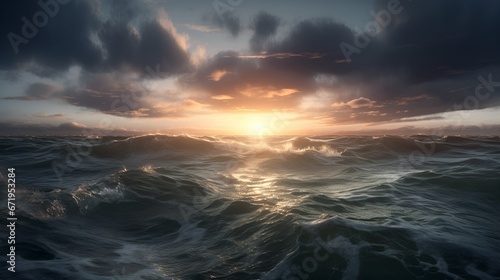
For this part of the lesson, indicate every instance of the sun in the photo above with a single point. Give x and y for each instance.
(257, 128)
(259, 124)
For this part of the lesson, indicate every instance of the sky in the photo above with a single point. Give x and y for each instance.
(241, 67)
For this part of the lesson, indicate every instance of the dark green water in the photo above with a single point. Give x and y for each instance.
(179, 207)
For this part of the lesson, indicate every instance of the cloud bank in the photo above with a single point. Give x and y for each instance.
(412, 58)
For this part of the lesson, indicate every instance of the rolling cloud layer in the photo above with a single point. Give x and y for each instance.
(412, 58)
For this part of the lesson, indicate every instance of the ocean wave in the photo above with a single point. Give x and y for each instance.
(316, 207)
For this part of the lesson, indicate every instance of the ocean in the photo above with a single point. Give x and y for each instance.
(282, 207)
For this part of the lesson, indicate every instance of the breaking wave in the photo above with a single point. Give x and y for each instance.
(319, 207)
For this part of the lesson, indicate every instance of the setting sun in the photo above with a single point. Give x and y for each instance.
(257, 128)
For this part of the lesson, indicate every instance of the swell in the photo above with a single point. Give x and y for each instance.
(151, 144)
(339, 248)
(251, 208)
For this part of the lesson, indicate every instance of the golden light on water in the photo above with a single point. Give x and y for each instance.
(260, 188)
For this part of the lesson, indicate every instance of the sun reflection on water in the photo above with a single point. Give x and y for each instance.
(262, 189)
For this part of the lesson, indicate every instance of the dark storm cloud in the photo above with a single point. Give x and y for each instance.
(122, 42)
(152, 45)
(56, 34)
(47, 37)
(248, 85)
(118, 95)
(45, 116)
(426, 57)
(431, 39)
(227, 20)
(318, 36)
(38, 91)
(425, 40)
(264, 26)
(112, 94)
(127, 10)
(98, 92)
(290, 64)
